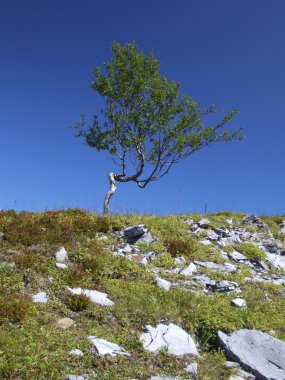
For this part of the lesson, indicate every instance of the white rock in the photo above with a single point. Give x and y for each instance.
(188, 271)
(172, 337)
(180, 261)
(164, 378)
(61, 255)
(76, 352)
(94, 296)
(75, 377)
(277, 261)
(239, 302)
(205, 242)
(61, 265)
(104, 347)
(163, 284)
(40, 297)
(192, 368)
(204, 223)
(127, 248)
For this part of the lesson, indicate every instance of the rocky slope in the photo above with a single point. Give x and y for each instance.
(141, 297)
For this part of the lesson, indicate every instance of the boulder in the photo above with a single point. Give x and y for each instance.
(261, 353)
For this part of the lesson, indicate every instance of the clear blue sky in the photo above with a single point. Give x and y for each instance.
(226, 52)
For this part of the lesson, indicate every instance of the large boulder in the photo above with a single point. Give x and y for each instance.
(263, 354)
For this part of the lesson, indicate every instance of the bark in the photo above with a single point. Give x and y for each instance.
(110, 193)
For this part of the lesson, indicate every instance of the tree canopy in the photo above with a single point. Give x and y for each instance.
(148, 125)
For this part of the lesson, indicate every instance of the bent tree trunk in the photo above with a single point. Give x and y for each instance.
(112, 190)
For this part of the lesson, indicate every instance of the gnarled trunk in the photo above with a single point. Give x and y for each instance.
(110, 193)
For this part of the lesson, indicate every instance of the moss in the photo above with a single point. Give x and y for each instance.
(14, 308)
(78, 302)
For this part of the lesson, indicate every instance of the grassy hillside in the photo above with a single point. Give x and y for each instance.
(34, 346)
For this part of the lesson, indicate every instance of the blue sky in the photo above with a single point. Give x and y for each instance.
(226, 52)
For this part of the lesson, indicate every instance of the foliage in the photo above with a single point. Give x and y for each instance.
(14, 308)
(78, 302)
(147, 120)
(251, 251)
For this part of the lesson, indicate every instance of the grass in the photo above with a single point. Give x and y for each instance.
(32, 346)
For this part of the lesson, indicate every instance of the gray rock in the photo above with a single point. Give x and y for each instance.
(237, 257)
(239, 302)
(261, 353)
(164, 378)
(224, 286)
(227, 267)
(188, 271)
(192, 368)
(146, 238)
(134, 231)
(40, 297)
(255, 221)
(242, 375)
(163, 284)
(204, 223)
(75, 377)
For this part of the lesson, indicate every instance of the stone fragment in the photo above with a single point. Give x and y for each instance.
(180, 261)
(172, 337)
(94, 296)
(239, 302)
(40, 297)
(127, 248)
(75, 377)
(261, 353)
(163, 284)
(164, 378)
(61, 255)
(104, 347)
(276, 261)
(76, 352)
(237, 257)
(192, 368)
(61, 265)
(188, 271)
(145, 238)
(227, 267)
(65, 323)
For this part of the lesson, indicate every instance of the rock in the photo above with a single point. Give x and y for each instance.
(127, 248)
(227, 267)
(146, 238)
(224, 286)
(204, 223)
(165, 378)
(188, 271)
(189, 221)
(261, 353)
(40, 297)
(276, 261)
(272, 246)
(94, 296)
(239, 302)
(237, 257)
(103, 347)
(139, 259)
(212, 235)
(163, 284)
(65, 323)
(179, 261)
(205, 242)
(172, 337)
(192, 368)
(61, 255)
(61, 265)
(75, 377)
(76, 352)
(255, 221)
(242, 375)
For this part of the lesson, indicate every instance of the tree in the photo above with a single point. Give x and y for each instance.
(149, 126)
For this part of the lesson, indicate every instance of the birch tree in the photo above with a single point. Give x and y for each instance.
(147, 125)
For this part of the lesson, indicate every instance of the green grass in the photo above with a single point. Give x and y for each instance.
(33, 347)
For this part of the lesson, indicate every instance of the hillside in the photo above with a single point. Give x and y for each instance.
(84, 296)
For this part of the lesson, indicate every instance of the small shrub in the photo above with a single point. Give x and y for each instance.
(179, 247)
(251, 251)
(228, 249)
(78, 302)
(14, 308)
